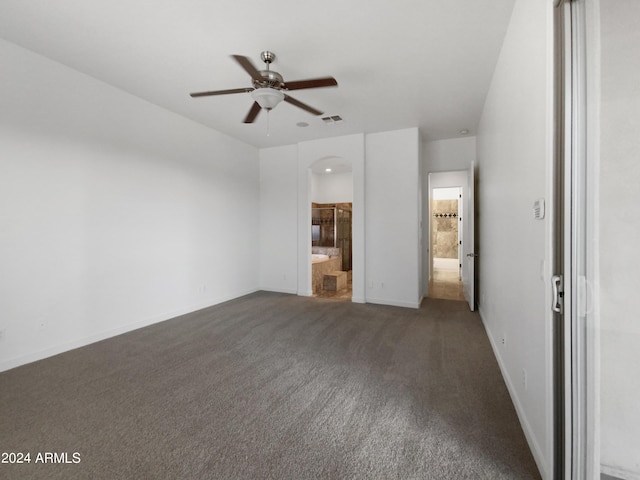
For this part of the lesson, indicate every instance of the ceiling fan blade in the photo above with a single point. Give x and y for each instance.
(301, 105)
(253, 113)
(311, 83)
(245, 63)
(221, 92)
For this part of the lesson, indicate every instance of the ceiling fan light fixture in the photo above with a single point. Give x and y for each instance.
(267, 86)
(267, 97)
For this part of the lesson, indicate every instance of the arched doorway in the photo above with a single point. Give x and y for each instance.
(331, 227)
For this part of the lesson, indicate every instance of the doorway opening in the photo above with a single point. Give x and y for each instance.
(331, 250)
(446, 239)
(332, 228)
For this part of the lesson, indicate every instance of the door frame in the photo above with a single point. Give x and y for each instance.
(469, 256)
(447, 179)
(575, 399)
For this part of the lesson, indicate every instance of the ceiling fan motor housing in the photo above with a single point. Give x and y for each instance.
(270, 79)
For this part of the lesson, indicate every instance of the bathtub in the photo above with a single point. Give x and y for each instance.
(322, 263)
(319, 257)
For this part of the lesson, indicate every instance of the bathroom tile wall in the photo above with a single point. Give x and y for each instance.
(444, 224)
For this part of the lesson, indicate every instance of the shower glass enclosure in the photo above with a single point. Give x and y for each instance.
(331, 227)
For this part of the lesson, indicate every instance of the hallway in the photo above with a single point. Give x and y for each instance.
(445, 283)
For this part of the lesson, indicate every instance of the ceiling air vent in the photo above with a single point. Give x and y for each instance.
(332, 119)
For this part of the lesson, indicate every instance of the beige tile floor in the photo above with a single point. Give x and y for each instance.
(446, 284)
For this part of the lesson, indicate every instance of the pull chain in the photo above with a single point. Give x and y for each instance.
(268, 121)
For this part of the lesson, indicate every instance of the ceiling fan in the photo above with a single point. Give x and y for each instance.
(269, 86)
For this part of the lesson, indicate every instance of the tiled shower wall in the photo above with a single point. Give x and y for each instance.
(444, 224)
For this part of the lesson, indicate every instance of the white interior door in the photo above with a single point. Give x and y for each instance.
(468, 242)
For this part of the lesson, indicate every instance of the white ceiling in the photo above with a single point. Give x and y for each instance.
(401, 64)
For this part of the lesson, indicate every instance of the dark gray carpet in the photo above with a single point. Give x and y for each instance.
(273, 386)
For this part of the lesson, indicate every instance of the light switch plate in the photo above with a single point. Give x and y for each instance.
(538, 209)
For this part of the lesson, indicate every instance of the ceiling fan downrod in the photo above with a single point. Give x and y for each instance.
(267, 57)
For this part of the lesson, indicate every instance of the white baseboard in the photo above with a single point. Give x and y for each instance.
(291, 291)
(14, 362)
(620, 473)
(537, 452)
(393, 303)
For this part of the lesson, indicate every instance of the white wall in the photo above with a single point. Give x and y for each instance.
(386, 213)
(115, 213)
(447, 193)
(449, 154)
(393, 261)
(618, 231)
(332, 188)
(513, 162)
(278, 219)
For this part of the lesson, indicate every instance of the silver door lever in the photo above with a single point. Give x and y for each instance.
(558, 293)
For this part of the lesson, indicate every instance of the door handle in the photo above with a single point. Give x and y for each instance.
(472, 254)
(558, 293)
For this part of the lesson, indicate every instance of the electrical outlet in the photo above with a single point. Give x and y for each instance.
(504, 340)
(524, 379)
